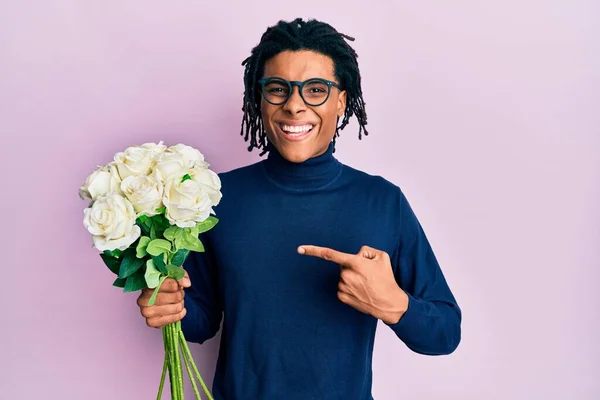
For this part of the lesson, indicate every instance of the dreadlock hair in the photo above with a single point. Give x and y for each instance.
(299, 35)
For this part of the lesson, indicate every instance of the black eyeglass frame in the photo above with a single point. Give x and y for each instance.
(291, 84)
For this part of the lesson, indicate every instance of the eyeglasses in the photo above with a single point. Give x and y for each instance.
(314, 92)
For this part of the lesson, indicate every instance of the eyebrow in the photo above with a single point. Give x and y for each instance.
(295, 80)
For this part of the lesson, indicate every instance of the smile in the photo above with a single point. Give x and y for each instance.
(295, 132)
(297, 129)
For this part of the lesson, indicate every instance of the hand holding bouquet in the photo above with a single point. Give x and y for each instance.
(147, 208)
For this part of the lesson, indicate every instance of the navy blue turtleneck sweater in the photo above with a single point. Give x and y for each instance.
(285, 334)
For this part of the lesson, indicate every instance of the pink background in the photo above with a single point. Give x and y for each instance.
(487, 115)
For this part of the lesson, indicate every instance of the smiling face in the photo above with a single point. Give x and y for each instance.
(299, 131)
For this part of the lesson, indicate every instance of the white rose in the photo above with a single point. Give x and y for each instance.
(168, 164)
(187, 202)
(154, 148)
(190, 155)
(210, 181)
(112, 167)
(134, 161)
(111, 221)
(144, 192)
(100, 183)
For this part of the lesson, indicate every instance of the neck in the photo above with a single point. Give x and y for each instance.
(314, 173)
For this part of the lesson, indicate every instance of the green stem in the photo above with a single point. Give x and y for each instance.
(188, 354)
(165, 367)
(169, 351)
(177, 360)
(176, 389)
(189, 369)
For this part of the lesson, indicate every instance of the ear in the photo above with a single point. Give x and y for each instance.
(341, 106)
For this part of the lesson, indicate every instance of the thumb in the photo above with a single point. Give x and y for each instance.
(370, 253)
(185, 281)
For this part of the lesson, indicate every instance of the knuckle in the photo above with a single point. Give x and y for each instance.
(166, 298)
(160, 298)
(143, 298)
(149, 312)
(345, 274)
(168, 286)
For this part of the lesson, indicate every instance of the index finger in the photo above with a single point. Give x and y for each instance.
(328, 254)
(170, 285)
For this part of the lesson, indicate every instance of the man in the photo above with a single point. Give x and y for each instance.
(309, 253)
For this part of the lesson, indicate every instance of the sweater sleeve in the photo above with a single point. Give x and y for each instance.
(202, 302)
(432, 323)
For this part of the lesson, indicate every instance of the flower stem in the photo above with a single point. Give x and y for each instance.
(188, 355)
(165, 367)
(174, 343)
(190, 375)
(177, 383)
(168, 351)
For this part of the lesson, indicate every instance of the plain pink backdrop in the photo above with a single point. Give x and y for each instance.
(485, 113)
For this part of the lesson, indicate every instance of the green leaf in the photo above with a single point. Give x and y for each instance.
(152, 231)
(175, 272)
(204, 226)
(129, 265)
(179, 243)
(186, 177)
(111, 262)
(172, 232)
(189, 242)
(144, 226)
(159, 263)
(119, 283)
(135, 282)
(179, 257)
(152, 275)
(114, 253)
(160, 219)
(143, 218)
(193, 243)
(158, 246)
(161, 210)
(141, 247)
(160, 223)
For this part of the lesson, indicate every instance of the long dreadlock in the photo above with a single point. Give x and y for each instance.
(299, 35)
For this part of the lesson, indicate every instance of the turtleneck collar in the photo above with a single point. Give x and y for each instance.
(314, 173)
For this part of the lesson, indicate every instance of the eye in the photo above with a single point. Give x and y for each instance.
(277, 89)
(315, 89)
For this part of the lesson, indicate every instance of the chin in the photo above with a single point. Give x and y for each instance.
(296, 153)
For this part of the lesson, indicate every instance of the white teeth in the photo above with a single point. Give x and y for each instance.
(296, 129)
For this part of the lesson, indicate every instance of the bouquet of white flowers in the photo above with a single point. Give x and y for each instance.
(147, 208)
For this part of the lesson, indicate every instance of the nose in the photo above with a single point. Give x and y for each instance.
(295, 104)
